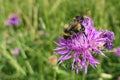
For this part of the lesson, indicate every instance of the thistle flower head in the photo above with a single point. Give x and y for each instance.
(109, 36)
(13, 20)
(117, 51)
(16, 51)
(81, 48)
(41, 32)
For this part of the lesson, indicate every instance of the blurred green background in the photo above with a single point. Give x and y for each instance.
(50, 16)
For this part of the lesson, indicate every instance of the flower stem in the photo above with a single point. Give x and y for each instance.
(73, 75)
(29, 67)
(12, 61)
(55, 75)
(83, 76)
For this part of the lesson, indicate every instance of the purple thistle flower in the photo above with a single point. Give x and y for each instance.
(16, 51)
(117, 51)
(81, 48)
(109, 38)
(13, 20)
(41, 32)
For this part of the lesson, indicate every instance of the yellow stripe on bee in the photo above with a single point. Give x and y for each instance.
(78, 27)
(66, 34)
(74, 18)
(85, 16)
(66, 25)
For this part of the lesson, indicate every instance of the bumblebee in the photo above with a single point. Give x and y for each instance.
(74, 27)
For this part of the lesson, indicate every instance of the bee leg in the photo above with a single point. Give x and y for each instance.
(66, 37)
(72, 32)
(83, 30)
(84, 34)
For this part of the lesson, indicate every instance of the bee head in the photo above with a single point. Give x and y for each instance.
(80, 18)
